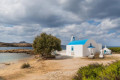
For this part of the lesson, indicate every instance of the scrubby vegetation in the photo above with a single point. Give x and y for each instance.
(25, 65)
(28, 51)
(99, 72)
(15, 44)
(45, 44)
(115, 49)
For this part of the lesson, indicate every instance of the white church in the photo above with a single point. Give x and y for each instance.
(82, 48)
(105, 50)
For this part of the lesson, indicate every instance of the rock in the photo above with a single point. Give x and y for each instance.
(7, 63)
(101, 56)
(58, 57)
(91, 56)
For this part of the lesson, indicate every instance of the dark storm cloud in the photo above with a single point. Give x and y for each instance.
(53, 13)
(89, 9)
(45, 13)
(24, 19)
(105, 9)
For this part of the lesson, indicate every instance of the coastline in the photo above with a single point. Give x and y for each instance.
(55, 69)
(11, 68)
(8, 63)
(2, 44)
(28, 51)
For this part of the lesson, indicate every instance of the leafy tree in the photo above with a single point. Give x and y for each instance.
(45, 44)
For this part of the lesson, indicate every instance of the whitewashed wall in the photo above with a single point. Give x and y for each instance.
(68, 50)
(78, 50)
(100, 46)
(97, 48)
(108, 50)
(82, 50)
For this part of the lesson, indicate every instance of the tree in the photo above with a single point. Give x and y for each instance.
(45, 44)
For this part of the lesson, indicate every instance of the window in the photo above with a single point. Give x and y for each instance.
(72, 48)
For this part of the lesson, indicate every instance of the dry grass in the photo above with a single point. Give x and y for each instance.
(104, 59)
(61, 69)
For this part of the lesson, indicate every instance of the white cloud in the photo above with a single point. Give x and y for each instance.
(84, 30)
(109, 24)
(19, 33)
(24, 19)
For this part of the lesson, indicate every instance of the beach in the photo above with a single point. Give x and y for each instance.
(62, 68)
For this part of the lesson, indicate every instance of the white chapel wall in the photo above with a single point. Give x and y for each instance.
(77, 52)
(85, 49)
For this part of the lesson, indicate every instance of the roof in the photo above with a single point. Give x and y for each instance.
(78, 42)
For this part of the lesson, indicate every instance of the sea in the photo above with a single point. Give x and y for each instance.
(10, 57)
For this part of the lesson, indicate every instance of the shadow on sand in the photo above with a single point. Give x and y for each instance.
(61, 57)
(1, 78)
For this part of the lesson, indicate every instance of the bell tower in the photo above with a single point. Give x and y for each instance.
(72, 38)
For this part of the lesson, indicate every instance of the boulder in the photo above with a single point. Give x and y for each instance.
(91, 56)
(101, 56)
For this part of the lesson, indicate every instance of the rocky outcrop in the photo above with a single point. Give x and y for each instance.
(15, 44)
(18, 51)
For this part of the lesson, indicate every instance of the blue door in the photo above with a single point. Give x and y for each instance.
(72, 48)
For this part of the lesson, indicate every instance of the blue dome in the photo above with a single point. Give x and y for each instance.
(78, 42)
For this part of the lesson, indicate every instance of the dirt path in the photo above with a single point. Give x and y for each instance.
(60, 69)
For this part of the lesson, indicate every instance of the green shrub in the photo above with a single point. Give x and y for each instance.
(45, 44)
(115, 49)
(25, 65)
(90, 72)
(99, 72)
(111, 72)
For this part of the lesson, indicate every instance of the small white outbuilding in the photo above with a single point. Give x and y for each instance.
(82, 48)
(106, 50)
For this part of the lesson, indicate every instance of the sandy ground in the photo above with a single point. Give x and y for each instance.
(62, 68)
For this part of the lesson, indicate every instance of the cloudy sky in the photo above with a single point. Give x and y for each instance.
(22, 20)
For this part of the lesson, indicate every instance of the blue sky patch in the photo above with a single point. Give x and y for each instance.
(93, 22)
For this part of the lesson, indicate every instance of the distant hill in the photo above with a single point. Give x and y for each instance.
(63, 47)
(2, 44)
(22, 42)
